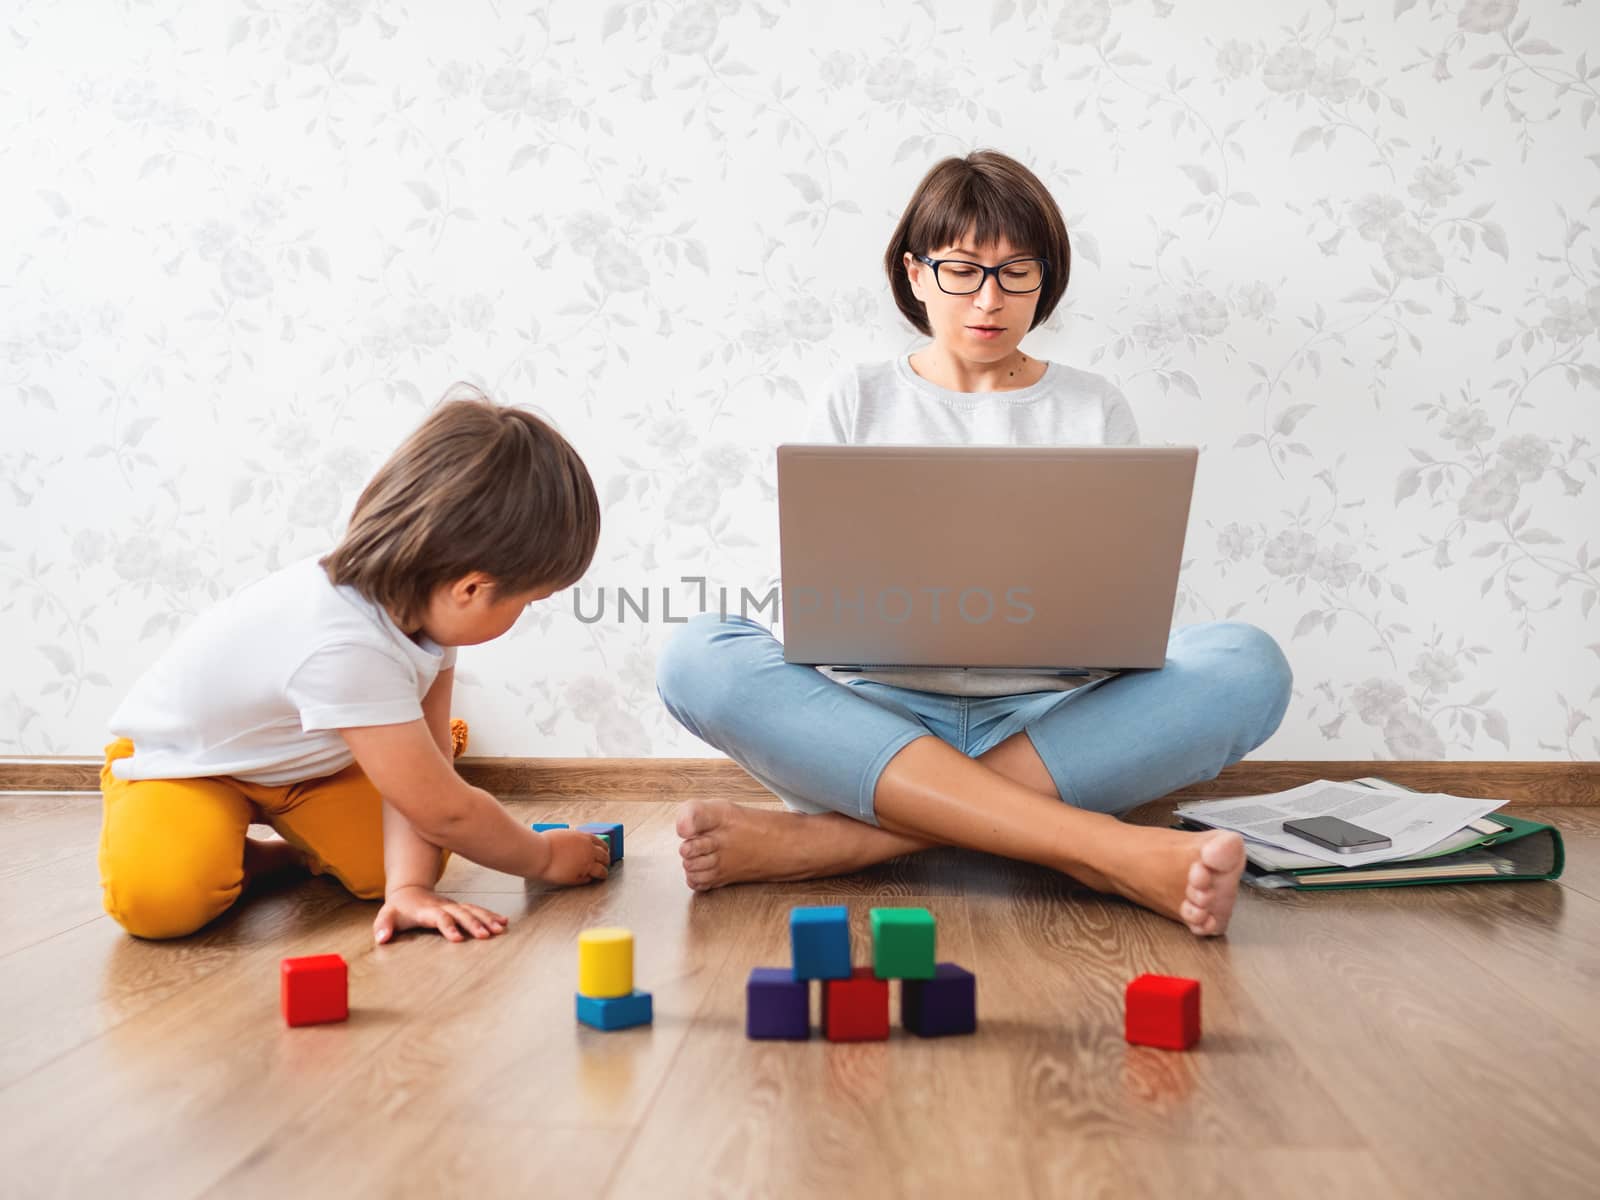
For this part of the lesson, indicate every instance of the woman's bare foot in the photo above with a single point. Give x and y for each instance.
(1192, 878)
(728, 843)
(268, 860)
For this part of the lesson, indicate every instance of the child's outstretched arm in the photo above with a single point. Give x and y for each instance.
(412, 866)
(408, 860)
(410, 772)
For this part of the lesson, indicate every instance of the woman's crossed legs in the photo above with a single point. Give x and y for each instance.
(872, 780)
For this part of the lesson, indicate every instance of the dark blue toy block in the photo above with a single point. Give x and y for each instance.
(611, 830)
(944, 1005)
(820, 937)
(777, 1005)
(546, 826)
(618, 1012)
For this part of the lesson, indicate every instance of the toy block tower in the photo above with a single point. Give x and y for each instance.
(606, 996)
(936, 999)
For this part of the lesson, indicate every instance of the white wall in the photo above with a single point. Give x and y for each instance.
(1343, 247)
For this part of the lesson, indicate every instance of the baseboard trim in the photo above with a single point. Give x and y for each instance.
(673, 779)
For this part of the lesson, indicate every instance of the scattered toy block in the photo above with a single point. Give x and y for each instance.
(616, 1012)
(547, 826)
(605, 963)
(903, 941)
(611, 831)
(1164, 1011)
(315, 989)
(856, 1009)
(777, 1005)
(819, 937)
(942, 1006)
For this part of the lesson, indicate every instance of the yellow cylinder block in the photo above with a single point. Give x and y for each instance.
(605, 963)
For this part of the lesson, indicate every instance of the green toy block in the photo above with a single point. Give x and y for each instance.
(903, 943)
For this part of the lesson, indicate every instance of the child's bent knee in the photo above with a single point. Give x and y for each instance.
(365, 889)
(363, 880)
(160, 909)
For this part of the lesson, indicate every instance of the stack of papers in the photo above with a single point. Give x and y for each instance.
(1418, 824)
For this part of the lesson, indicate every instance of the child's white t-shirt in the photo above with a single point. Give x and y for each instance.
(259, 687)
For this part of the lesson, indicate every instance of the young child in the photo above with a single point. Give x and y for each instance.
(317, 700)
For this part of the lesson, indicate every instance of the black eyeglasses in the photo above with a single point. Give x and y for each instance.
(957, 277)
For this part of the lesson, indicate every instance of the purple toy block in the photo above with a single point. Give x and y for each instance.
(944, 1005)
(777, 1005)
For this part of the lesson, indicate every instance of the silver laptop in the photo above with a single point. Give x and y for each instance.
(1044, 558)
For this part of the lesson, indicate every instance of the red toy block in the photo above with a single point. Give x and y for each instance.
(1164, 1011)
(856, 1009)
(315, 989)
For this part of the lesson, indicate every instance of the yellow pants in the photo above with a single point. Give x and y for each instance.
(172, 850)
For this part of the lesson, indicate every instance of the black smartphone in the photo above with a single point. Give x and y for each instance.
(1336, 834)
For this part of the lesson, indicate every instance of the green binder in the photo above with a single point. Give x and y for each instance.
(1519, 850)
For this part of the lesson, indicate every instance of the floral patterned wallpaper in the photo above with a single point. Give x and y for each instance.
(1345, 247)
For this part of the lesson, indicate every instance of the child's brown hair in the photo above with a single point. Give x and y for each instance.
(995, 196)
(478, 487)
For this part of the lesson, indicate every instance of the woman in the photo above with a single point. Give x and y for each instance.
(874, 766)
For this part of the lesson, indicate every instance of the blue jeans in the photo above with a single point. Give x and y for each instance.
(1114, 744)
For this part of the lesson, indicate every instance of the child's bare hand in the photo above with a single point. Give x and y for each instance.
(575, 857)
(422, 908)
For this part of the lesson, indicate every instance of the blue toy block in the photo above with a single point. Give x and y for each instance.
(777, 1005)
(611, 831)
(546, 826)
(820, 937)
(619, 1012)
(944, 1005)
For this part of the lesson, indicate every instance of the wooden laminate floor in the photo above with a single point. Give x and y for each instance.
(1412, 1042)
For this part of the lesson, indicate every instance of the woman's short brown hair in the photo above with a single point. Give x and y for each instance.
(478, 487)
(995, 196)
